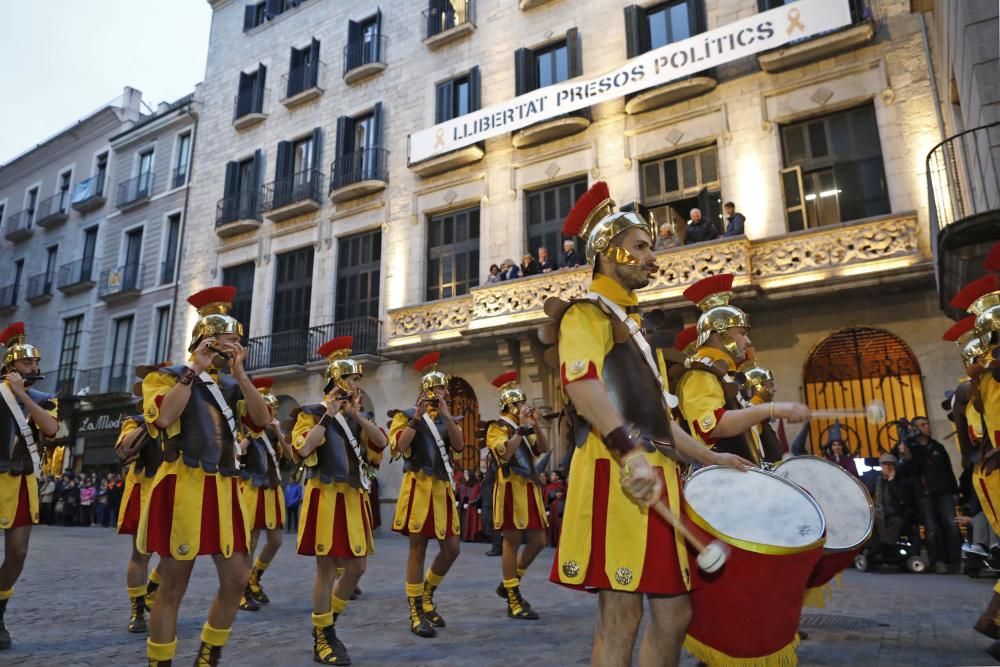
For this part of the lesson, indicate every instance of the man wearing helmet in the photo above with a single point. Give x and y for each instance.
(619, 406)
(759, 385)
(194, 506)
(514, 440)
(333, 438)
(26, 416)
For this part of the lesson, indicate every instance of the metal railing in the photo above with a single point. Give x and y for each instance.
(371, 164)
(446, 17)
(250, 102)
(135, 189)
(303, 78)
(121, 280)
(76, 273)
(8, 297)
(365, 331)
(179, 176)
(298, 347)
(117, 379)
(40, 285)
(88, 194)
(18, 225)
(292, 189)
(53, 207)
(963, 176)
(359, 53)
(241, 206)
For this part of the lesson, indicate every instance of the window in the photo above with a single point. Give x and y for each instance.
(250, 94)
(675, 184)
(296, 172)
(101, 173)
(859, 11)
(241, 193)
(51, 253)
(359, 259)
(133, 247)
(18, 275)
(144, 182)
(64, 188)
(183, 159)
(364, 42)
(444, 15)
(120, 371)
(452, 254)
(547, 209)
(241, 277)
(69, 355)
(360, 155)
(173, 232)
(292, 298)
(833, 169)
(161, 351)
(303, 70)
(457, 97)
(254, 15)
(648, 28)
(31, 204)
(89, 249)
(3, 208)
(552, 63)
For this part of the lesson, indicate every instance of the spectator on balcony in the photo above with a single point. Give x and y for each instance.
(509, 270)
(570, 257)
(546, 261)
(495, 275)
(700, 229)
(734, 220)
(530, 265)
(667, 238)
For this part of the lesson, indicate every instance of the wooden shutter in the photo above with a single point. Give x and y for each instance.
(317, 148)
(796, 214)
(696, 16)
(524, 71)
(353, 55)
(443, 101)
(249, 17)
(378, 35)
(253, 197)
(229, 202)
(475, 85)
(258, 91)
(312, 76)
(634, 18)
(273, 8)
(574, 52)
(344, 147)
(283, 164)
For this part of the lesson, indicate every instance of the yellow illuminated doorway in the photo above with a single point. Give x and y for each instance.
(465, 405)
(853, 367)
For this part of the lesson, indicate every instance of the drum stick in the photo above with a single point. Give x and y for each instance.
(711, 557)
(873, 412)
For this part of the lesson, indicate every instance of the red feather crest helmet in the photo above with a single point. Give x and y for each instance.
(594, 219)
(430, 376)
(13, 339)
(337, 352)
(510, 392)
(213, 305)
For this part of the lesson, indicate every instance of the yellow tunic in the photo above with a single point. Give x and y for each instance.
(10, 486)
(133, 478)
(520, 487)
(420, 494)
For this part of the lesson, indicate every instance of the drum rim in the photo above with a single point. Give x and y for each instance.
(859, 483)
(757, 547)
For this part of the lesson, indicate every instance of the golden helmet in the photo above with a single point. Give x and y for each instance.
(712, 295)
(595, 220)
(430, 376)
(337, 352)
(213, 306)
(970, 343)
(12, 338)
(264, 387)
(982, 298)
(510, 392)
(756, 375)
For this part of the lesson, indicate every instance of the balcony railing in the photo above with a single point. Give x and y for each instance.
(241, 206)
(88, 194)
(441, 19)
(290, 191)
(371, 164)
(40, 287)
(364, 55)
(76, 276)
(298, 347)
(179, 176)
(53, 210)
(18, 226)
(8, 297)
(303, 83)
(134, 190)
(116, 379)
(248, 107)
(120, 282)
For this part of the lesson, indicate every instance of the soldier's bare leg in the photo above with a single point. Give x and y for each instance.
(618, 618)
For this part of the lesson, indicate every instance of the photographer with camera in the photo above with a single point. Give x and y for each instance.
(934, 485)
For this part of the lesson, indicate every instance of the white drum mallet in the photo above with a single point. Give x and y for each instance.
(873, 412)
(711, 557)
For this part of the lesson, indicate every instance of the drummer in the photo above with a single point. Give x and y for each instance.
(759, 385)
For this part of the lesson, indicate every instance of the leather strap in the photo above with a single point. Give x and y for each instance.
(270, 451)
(22, 425)
(220, 402)
(362, 466)
(442, 450)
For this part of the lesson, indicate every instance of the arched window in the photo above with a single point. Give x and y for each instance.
(853, 367)
(464, 405)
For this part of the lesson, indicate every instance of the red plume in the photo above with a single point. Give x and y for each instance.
(685, 337)
(263, 383)
(992, 262)
(708, 286)
(504, 378)
(968, 294)
(958, 328)
(587, 202)
(334, 344)
(222, 294)
(428, 359)
(16, 329)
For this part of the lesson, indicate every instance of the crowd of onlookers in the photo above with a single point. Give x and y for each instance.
(532, 266)
(80, 499)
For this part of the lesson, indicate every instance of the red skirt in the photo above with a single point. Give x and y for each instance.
(131, 512)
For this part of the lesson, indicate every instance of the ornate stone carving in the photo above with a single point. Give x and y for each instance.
(527, 294)
(430, 317)
(682, 267)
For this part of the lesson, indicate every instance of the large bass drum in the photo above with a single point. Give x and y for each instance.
(750, 609)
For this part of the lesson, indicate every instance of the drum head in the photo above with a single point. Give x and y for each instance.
(754, 510)
(847, 507)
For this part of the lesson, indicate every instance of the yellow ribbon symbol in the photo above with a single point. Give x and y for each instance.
(794, 22)
(439, 139)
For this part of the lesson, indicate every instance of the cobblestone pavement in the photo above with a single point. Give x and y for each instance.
(71, 609)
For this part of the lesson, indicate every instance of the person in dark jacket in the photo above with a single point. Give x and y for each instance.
(935, 488)
(734, 221)
(546, 262)
(509, 270)
(570, 257)
(892, 504)
(700, 229)
(486, 494)
(530, 266)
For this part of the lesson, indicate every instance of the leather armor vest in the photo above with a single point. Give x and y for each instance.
(205, 439)
(770, 443)
(14, 456)
(336, 461)
(424, 454)
(521, 463)
(258, 466)
(150, 456)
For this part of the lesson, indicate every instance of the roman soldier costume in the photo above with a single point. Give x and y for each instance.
(336, 517)
(21, 441)
(517, 494)
(759, 387)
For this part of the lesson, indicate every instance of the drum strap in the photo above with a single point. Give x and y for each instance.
(22, 426)
(442, 450)
(356, 448)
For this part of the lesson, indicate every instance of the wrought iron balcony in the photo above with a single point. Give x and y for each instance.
(135, 191)
(294, 195)
(88, 195)
(19, 226)
(366, 332)
(817, 47)
(963, 186)
(121, 282)
(364, 58)
(76, 277)
(8, 298)
(359, 173)
(238, 213)
(116, 379)
(303, 84)
(248, 108)
(877, 250)
(53, 211)
(40, 288)
(446, 22)
(298, 347)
